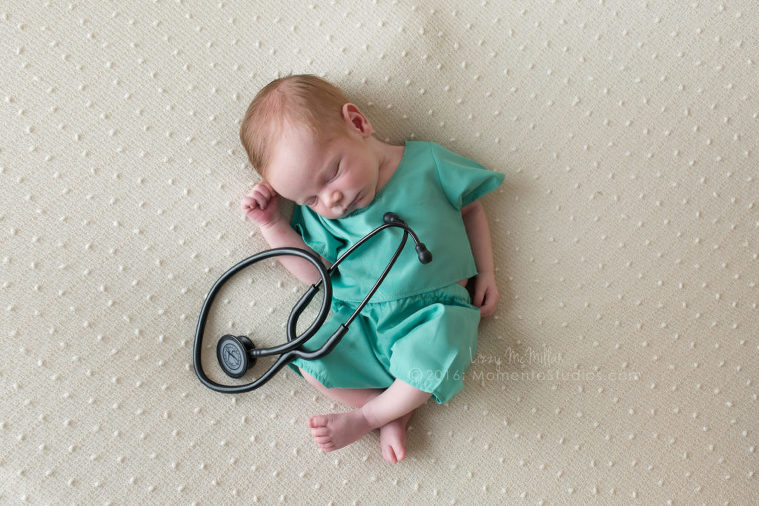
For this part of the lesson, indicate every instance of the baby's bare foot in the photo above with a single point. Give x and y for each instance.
(332, 432)
(393, 439)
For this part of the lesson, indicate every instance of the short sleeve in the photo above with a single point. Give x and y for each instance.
(463, 180)
(314, 233)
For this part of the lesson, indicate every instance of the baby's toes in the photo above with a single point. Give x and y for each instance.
(388, 454)
(327, 447)
(320, 431)
(398, 452)
(317, 421)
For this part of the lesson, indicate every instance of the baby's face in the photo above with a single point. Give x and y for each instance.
(332, 178)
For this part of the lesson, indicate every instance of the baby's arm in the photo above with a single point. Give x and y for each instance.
(485, 289)
(262, 206)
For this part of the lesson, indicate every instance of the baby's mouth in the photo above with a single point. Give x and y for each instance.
(352, 206)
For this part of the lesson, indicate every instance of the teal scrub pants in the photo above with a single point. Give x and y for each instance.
(427, 340)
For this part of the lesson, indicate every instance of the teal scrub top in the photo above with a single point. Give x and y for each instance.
(428, 190)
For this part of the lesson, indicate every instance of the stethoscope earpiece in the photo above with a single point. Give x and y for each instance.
(422, 252)
(392, 219)
(232, 353)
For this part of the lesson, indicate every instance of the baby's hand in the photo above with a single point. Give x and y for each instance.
(485, 293)
(262, 205)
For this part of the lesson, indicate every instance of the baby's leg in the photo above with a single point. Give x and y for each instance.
(341, 429)
(353, 397)
(392, 435)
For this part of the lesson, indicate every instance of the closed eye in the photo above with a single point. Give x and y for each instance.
(336, 173)
(312, 201)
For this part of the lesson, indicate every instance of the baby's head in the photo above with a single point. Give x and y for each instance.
(313, 146)
(303, 100)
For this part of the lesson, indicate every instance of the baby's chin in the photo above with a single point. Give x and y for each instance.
(334, 216)
(340, 216)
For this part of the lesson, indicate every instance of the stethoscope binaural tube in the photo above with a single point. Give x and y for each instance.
(237, 353)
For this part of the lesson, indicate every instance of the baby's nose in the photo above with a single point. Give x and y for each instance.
(334, 198)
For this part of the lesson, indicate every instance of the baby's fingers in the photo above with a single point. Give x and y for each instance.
(248, 203)
(487, 309)
(479, 295)
(489, 303)
(484, 299)
(261, 204)
(265, 189)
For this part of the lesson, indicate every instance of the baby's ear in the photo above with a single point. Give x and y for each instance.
(356, 120)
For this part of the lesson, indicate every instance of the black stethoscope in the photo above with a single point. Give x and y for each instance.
(236, 354)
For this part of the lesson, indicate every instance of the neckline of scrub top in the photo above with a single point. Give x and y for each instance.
(381, 191)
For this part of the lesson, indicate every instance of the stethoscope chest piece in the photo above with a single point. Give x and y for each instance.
(232, 353)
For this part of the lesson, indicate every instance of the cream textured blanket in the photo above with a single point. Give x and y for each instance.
(622, 365)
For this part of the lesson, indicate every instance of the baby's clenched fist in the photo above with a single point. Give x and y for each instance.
(261, 205)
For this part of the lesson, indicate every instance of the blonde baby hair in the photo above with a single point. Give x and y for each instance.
(304, 100)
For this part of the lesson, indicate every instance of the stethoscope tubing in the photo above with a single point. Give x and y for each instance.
(291, 349)
(283, 349)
